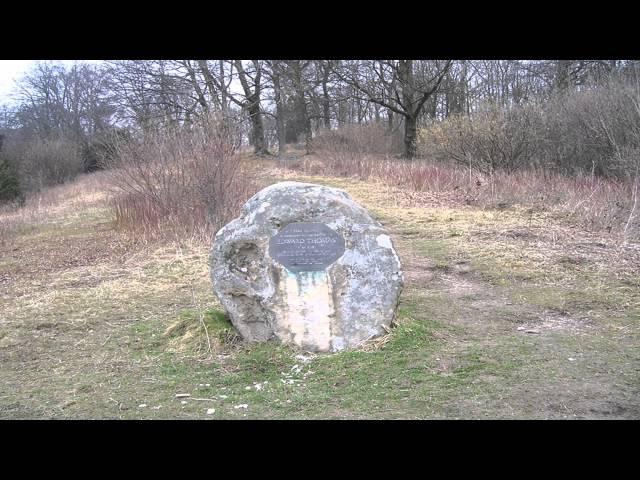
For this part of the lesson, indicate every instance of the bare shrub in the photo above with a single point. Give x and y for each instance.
(595, 202)
(595, 131)
(493, 139)
(44, 162)
(355, 149)
(608, 129)
(179, 182)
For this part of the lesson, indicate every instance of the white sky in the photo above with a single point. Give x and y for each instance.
(12, 70)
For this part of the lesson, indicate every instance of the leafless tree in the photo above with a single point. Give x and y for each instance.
(276, 71)
(396, 86)
(251, 81)
(146, 93)
(55, 101)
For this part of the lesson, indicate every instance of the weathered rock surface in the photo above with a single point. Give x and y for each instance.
(337, 307)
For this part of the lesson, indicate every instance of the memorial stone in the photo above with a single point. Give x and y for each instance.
(306, 265)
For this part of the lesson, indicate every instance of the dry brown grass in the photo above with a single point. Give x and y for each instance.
(55, 204)
(535, 247)
(593, 203)
(84, 311)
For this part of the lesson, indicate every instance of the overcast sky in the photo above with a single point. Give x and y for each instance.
(11, 70)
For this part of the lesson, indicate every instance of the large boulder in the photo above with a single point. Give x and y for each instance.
(307, 265)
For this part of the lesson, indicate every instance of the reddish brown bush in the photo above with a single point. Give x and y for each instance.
(180, 183)
(356, 149)
(596, 203)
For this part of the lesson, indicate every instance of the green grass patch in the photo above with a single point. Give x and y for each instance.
(435, 249)
(200, 331)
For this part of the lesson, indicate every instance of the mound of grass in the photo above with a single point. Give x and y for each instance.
(198, 331)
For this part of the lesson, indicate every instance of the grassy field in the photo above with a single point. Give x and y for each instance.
(507, 313)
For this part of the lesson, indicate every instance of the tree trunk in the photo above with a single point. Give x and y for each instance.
(562, 75)
(306, 122)
(433, 106)
(223, 91)
(462, 101)
(410, 137)
(326, 102)
(405, 75)
(257, 129)
(252, 106)
(280, 129)
(301, 106)
(341, 114)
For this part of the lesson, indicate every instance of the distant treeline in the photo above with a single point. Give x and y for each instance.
(566, 115)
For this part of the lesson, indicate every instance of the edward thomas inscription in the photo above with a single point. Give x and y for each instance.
(306, 246)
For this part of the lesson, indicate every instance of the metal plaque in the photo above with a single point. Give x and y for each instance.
(304, 247)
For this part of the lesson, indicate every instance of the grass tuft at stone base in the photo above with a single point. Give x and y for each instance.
(197, 331)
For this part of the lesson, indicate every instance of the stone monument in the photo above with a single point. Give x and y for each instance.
(307, 265)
